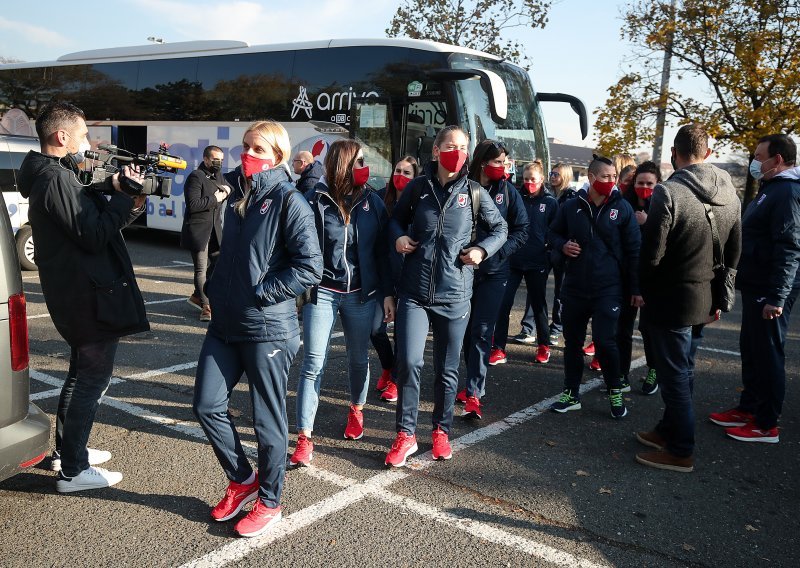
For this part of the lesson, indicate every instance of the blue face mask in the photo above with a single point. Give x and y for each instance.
(755, 170)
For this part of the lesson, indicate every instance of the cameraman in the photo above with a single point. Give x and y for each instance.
(87, 279)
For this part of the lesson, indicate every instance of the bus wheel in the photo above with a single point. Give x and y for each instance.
(25, 248)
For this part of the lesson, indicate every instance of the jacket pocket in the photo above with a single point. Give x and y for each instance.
(116, 305)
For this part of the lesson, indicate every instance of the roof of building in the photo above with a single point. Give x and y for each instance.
(575, 156)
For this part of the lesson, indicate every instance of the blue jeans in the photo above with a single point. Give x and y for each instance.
(219, 370)
(90, 368)
(449, 323)
(318, 322)
(674, 351)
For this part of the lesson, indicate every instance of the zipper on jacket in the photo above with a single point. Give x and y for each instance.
(439, 228)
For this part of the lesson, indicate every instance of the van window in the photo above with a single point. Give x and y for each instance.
(9, 165)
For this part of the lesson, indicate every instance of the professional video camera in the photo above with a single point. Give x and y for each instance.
(153, 163)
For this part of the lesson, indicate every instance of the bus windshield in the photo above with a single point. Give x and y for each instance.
(522, 133)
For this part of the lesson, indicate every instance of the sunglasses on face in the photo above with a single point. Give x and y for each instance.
(555, 174)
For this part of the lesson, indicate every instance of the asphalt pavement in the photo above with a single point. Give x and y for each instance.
(525, 486)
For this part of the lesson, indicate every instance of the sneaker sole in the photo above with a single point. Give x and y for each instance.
(727, 424)
(194, 305)
(442, 458)
(410, 451)
(623, 415)
(565, 410)
(276, 519)
(295, 465)
(765, 440)
(474, 415)
(648, 443)
(525, 342)
(68, 487)
(346, 437)
(654, 391)
(205, 320)
(678, 468)
(249, 499)
(498, 362)
(625, 389)
(55, 465)
(542, 362)
(383, 398)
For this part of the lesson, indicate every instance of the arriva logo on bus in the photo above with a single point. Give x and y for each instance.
(330, 102)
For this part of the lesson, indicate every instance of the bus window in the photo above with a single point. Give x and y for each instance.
(371, 127)
(424, 119)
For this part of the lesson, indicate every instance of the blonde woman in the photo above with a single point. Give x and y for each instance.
(560, 178)
(269, 255)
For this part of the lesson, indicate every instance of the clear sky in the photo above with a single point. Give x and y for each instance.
(579, 52)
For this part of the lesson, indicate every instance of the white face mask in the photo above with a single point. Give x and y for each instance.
(82, 149)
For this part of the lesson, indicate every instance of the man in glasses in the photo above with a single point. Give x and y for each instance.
(309, 170)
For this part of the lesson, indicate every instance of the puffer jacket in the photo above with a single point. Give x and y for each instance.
(509, 204)
(441, 222)
(541, 209)
(84, 267)
(771, 239)
(609, 239)
(368, 259)
(264, 264)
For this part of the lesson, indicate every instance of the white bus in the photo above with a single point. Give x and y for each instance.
(392, 95)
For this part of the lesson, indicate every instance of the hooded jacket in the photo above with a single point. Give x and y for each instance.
(509, 203)
(541, 209)
(609, 239)
(677, 256)
(365, 265)
(86, 273)
(441, 222)
(310, 177)
(202, 215)
(771, 239)
(264, 264)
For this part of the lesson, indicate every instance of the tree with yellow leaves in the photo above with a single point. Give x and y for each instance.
(748, 54)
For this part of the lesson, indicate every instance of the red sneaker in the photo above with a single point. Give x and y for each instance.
(355, 424)
(237, 495)
(390, 393)
(258, 520)
(543, 354)
(731, 418)
(441, 444)
(752, 433)
(404, 445)
(595, 364)
(589, 349)
(461, 397)
(497, 356)
(303, 452)
(383, 382)
(472, 409)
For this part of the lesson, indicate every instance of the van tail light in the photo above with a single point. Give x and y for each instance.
(18, 327)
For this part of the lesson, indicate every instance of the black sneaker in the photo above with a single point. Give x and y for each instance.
(566, 402)
(650, 384)
(618, 409)
(624, 384)
(525, 338)
(555, 337)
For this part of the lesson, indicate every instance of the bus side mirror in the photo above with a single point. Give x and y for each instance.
(574, 102)
(491, 83)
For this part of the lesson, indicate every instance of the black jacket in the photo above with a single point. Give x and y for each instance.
(677, 255)
(509, 202)
(441, 222)
(771, 240)
(609, 239)
(542, 209)
(309, 177)
(202, 216)
(86, 273)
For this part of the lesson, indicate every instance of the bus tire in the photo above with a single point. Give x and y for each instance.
(24, 240)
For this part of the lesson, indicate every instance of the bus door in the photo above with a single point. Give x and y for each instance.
(372, 125)
(422, 120)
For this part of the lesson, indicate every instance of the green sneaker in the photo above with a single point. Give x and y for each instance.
(618, 409)
(624, 384)
(568, 401)
(650, 384)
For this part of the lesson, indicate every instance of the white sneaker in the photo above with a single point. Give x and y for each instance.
(96, 457)
(91, 478)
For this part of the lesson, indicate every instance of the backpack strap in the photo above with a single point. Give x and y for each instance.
(475, 195)
(719, 258)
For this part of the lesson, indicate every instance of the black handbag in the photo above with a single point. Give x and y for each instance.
(723, 286)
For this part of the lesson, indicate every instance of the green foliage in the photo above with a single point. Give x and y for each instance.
(476, 24)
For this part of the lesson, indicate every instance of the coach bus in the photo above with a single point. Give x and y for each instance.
(392, 95)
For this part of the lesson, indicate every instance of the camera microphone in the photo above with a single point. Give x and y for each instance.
(110, 148)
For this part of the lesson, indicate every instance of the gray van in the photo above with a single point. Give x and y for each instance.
(13, 150)
(24, 428)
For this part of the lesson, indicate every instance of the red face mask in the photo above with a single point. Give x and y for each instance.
(623, 187)
(453, 160)
(643, 192)
(400, 182)
(603, 187)
(360, 176)
(494, 173)
(252, 165)
(531, 187)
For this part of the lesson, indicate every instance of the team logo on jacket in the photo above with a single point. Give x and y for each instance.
(613, 215)
(365, 207)
(265, 206)
(542, 208)
(498, 198)
(760, 199)
(462, 199)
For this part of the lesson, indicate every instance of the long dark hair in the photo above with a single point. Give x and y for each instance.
(485, 151)
(339, 162)
(390, 198)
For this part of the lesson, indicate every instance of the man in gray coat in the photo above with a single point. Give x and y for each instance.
(676, 269)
